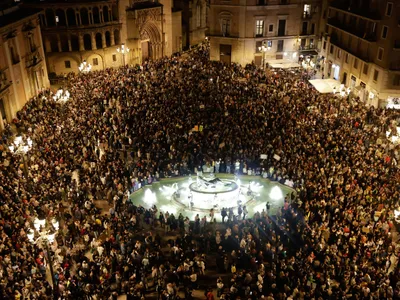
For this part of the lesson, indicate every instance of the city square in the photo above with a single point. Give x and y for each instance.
(196, 173)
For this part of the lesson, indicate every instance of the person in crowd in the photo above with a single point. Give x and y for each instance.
(128, 127)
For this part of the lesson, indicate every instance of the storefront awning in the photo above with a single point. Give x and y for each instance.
(325, 86)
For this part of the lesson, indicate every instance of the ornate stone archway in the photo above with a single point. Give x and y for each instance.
(151, 43)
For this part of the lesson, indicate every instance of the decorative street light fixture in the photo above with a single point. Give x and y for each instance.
(85, 67)
(264, 49)
(43, 236)
(61, 95)
(21, 146)
(123, 50)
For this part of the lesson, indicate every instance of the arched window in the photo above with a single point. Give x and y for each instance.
(105, 14)
(198, 15)
(50, 18)
(64, 43)
(53, 43)
(74, 43)
(99, 41)
(108, 39)
(87, 42)
(115, 12)
(71, 17)
(96, 15)
(116, 37)
(60, 16)
(84, 16)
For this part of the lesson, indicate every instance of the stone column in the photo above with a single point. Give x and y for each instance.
(112, 37)
(59, 43)
(81, 43)
(101, 15)
(91, 21)
(93, 41)
(80, 19)
(103, 39)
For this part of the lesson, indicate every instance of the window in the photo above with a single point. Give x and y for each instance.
(67, 64)
(346, 58)
(114, 57)
(312, 28)
(307, 9)
(396, 79)
(271, 27)
(14, 54)
(324, 45)
(280, 46)
(259, 28)
(258, 46)
(225, 26)
(95, 62)
(339, 53)
(269, 44)
(331, 50)
(389, 7)
(384, 32)
(198, 15)
(311, 43)
(365, 70)
(396, 44)
(376, 75)
(355, 63)
(380, 53)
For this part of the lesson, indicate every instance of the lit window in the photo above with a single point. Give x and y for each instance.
(225, 26)
(259, 28)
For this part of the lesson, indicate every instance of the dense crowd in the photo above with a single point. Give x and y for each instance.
(124, 128)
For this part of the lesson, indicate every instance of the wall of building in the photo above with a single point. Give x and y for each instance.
(253, 25)
(22, 63)
(176, 31)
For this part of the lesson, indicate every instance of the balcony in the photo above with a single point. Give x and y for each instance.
(359, 54)
(308, 48)
(32, 59)
(351, 29)
(306, 15)
(364, 12)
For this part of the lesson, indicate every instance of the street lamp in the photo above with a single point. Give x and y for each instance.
(21, 146)
(85, 67)
(123, 50)
(43, 236)
(264, 49)
(61, 95)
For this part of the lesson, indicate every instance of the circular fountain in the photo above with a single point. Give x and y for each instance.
(210, 192)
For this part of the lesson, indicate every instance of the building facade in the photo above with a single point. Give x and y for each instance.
(361, 47)
(263, 31)
(95, 30)
(23, 71)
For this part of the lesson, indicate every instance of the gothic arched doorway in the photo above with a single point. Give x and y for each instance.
(151, 43)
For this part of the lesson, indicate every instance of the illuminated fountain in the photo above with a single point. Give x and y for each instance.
(209, 192)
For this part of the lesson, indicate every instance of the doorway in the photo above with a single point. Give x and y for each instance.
(336, 72)
(225, 52)
(146, 50)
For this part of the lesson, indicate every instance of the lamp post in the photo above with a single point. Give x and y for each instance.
(123, 50)
(21, 146)
(40, 235)
(85, 67)
(61, 95)
(263, 49)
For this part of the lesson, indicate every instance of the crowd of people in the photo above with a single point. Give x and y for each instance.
(124, 128)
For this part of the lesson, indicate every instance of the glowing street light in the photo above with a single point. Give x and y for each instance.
(61, 95)
(264, 49)
(123, 50)
(21, 147)
(85, 67)
(45, 235)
